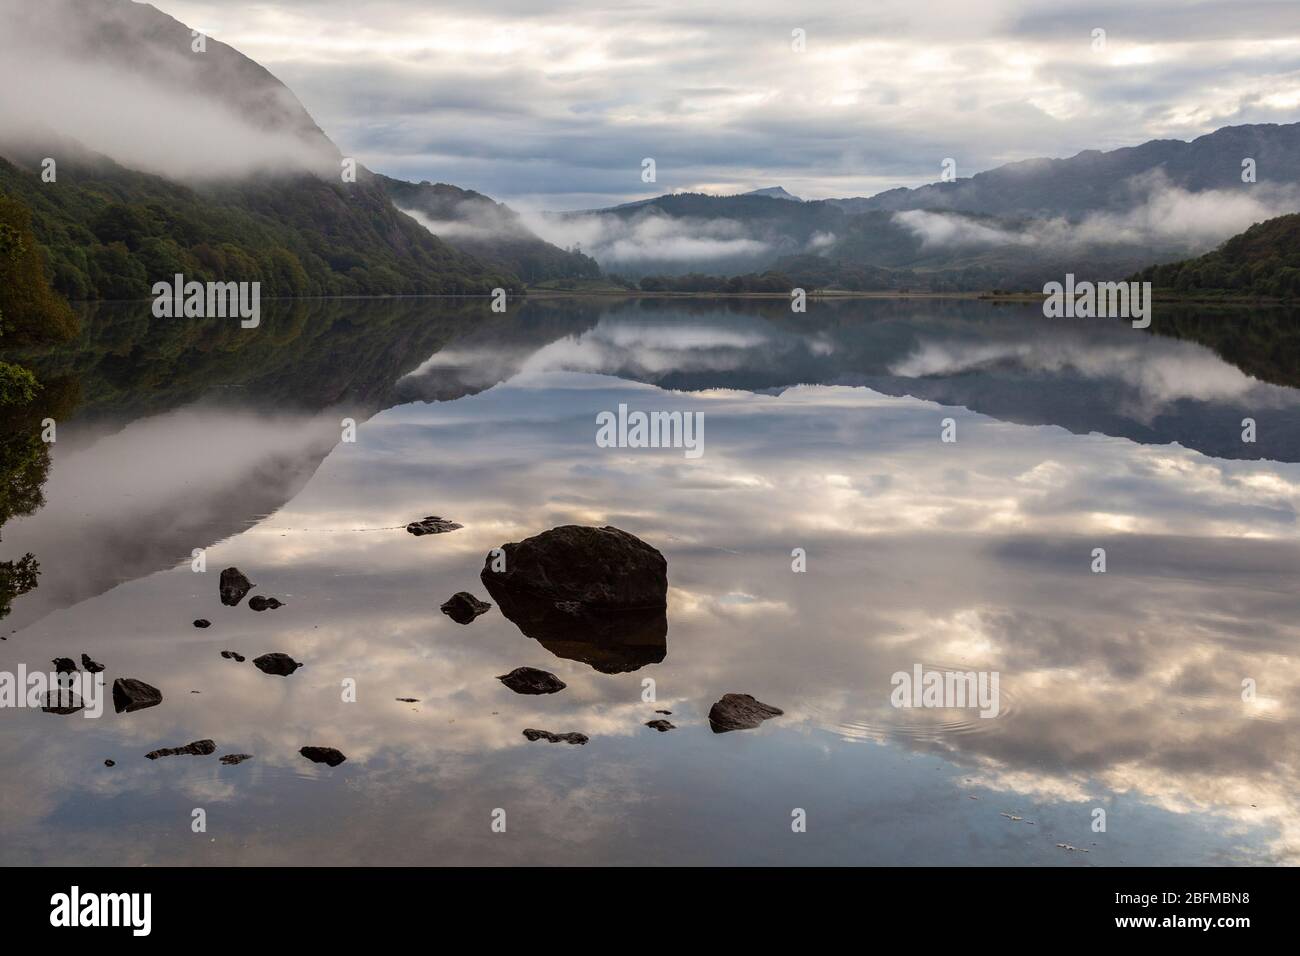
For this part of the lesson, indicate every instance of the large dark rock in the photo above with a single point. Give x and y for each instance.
(432, 525)
(199, 748)
(462, 607)
(130, 695)
(281, 665)
(234, 586)
(597, 567)
(92, 666)
(594, 595)
(530, 680)
(569, 738)
(739, 712)
(326, 755)
(259, 603)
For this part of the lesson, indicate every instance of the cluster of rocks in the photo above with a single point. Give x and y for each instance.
(234, 585)
(594, 595)
(569, 738)
(599, 596)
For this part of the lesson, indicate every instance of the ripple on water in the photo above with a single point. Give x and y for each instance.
(873, 717)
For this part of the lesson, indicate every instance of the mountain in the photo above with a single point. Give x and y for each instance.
(235, 181)
(490, 231)
(1094, 181)
(773, 192)
(1263, 261)
(1100, 215)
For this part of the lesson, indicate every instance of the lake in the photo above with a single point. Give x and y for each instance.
(827, 539)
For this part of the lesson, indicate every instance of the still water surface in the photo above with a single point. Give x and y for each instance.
(1120, 691)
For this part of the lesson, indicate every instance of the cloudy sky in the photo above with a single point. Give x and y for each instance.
(554, 103)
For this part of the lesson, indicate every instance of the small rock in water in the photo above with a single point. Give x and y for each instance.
(203, 622)
(569, 738)
(231, 759)
(432, 525)
(739, 712)
(463, 607)
(530, 680)
(663, 712)
(409, 700)
(282, 665)
(110, 763)
(661, 725)
(64, 665)
(93, 667)
(130, 695)
(199, 748)
(259, 603)
(234, 586)
(326, 755)
(234, 656)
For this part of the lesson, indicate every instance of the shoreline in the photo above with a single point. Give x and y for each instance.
(1023, 297)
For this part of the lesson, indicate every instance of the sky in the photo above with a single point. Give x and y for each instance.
(554, 104)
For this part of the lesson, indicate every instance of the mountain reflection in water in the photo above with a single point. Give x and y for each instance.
(1120, 690)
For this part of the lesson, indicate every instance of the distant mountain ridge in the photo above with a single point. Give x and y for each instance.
(1088, 181)
(489, 231)
(1100, 214)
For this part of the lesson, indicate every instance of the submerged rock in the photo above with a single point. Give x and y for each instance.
(281, 665)
(94, 667)
(569, 738)
(234, 586)
(463, 607)
(530, 680)
(432, 525)
(663, 726)
(231, 759)
(130, 695)
(326, 755)
(64, 665)
(593, 595)
(199, 748)
(739, 712)
(203, 622)
(259, 603)
(234, 656)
